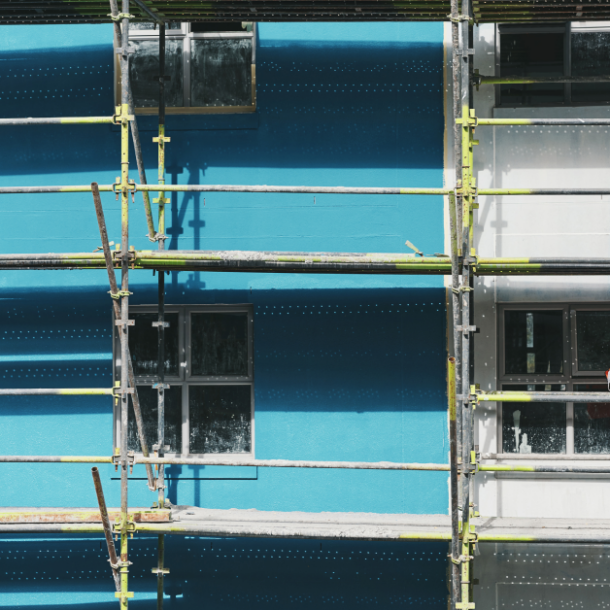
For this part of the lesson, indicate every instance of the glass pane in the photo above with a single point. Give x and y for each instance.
(535, 54)
(219, 344)
(591, 57)
(533, 342)
(219, 419)
(531, 427)
(593, 340)
(134, 25)
(591, 422)
(221, 72)
(221, 26)
(144, 72)
(143, 344)
(173, 419)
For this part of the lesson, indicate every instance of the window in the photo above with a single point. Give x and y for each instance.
(210, 67)
(572, 49)
(209, 407)
(554, 348)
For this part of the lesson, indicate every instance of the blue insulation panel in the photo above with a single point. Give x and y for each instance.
(346, 367)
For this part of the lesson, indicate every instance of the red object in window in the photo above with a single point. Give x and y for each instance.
(598, 410)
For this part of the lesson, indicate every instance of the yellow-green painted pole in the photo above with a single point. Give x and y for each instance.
(124, 593)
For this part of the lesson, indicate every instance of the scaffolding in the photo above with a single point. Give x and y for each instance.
(462, 264)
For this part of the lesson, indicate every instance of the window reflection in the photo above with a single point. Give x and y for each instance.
(591, 422)
(533, 342)
(593, 340)
(534, 427)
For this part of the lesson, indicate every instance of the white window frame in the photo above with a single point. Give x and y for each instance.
(185, 379)
(568, 379)
(186, 35)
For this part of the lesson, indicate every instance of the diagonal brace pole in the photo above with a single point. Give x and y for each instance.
(114, 290)
(114, 561)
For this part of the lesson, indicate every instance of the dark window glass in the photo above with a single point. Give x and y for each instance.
(590, 57)
(593, 340)
(531, 427)
(220, 419)
(591, 422)
(173, 419)
(533, 342)
(219, 344)
(535, 54)
(134, 25)
(218, 26)
(143, 344)
(144, 72)
(221, 72)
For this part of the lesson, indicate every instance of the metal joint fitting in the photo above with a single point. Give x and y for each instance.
(130, 528)
(120, 16)
(131, 456)
(119, 295)
(118, 188)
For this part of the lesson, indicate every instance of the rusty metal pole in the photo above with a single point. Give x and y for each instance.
(114, 290)
(107, 528)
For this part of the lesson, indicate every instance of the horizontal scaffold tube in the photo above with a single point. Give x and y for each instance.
(330, 531)
(231, 188)
(549, 122)
(220, 461)
(336, 190)
(68, 120)
(540, 191)
(543, 397)
(308, 262)
(56, 392)
(530, 80)
(189, 461)
(549, 457)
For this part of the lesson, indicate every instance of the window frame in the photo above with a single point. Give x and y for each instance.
(568, 379)
(185, 34)
(185, 379)
(567, 29)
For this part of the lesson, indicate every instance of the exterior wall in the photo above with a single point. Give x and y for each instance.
(566, 157)
(345, 367)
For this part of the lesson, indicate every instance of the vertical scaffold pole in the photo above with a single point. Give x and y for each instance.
(455, 217)
(468, 192)
(161, 324)
(453, 451)
(135, 133)
(123, 594)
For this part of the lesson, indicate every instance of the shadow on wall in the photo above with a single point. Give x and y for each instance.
(319, 105)
(227, 573)
(339, 375)
(315, 350)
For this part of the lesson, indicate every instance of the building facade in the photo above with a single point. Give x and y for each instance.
(315, 367)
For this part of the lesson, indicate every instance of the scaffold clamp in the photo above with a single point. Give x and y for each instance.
(125, 595)
(118, 295)
(121, 16)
